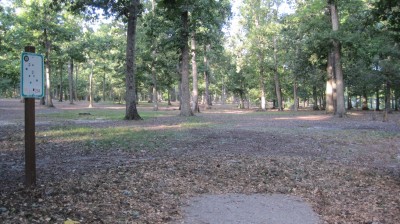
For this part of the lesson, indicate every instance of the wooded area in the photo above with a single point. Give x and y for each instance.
(332, 55)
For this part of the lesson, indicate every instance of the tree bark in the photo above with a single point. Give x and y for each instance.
(71, 80)
(195, 106)
(340, 105)
(91, 87)
(131, 112)
(276, 76)
(76, 83)
(185, 91)
(207, 79)
(315, 98)
(60, 98)
(104, 83)
(154, 80)
(49, 101)
(296, 99)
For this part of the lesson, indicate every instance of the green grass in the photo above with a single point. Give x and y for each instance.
(103, 114)
(131, 138)
(116, 138)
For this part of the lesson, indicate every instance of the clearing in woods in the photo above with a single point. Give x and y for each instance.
(93, 167)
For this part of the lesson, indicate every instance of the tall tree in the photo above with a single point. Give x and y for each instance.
(129, 10)
(340, 105)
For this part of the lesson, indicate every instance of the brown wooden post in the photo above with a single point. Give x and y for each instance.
(30, 154)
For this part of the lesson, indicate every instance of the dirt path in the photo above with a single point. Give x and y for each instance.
(346, 169)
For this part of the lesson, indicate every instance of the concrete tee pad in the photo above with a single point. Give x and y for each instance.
(249, 209)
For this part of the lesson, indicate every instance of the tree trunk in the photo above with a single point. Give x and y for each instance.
(49, 101)
(154, 80)
(131, 112)
(388, 96)
(349, 104)
(207, 79)
(296, 99)
(91, 87)
(76, 83)
(195, 106)
(71, 80)
(315, 98)
(396, 99)
(276, 76)
(329, 108)
(185, 90)
(60, 98)
(104, 83)
(262, 86)
(340, 105)
(364, 99)
(377, 100)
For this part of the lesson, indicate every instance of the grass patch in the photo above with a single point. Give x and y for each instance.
(122, 138)
(103, 114)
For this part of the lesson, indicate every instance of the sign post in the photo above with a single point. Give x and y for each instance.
(32, 87)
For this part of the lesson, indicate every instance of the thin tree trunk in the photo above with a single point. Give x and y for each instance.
(76, 83)
(154, 80)
(195, 106)
(349, 104)
(377, 100)
(296, 99)
(315, 98)
(387, 102)
(49, 101)
(340, 105)
(71, 80)
(396, 99)
(262, 85)
(60, 98)
(207, 79)
(131, 112)
(91, 87)
(104, 83)
(276, 76)
(364, 99)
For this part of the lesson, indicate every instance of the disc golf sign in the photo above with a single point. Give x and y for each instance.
(32, 75)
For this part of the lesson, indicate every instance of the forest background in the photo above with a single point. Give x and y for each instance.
(332, 55)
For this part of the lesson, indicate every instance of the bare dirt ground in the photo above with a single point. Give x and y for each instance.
(347, 169)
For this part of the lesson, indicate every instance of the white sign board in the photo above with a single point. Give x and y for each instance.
(32, 75)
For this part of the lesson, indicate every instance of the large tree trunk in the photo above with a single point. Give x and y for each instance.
(49, 101)
(276, 76)
(340, 105)
(207, 79)
(185, 91)
(71, 80)
(131, 112)
(195, 106)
